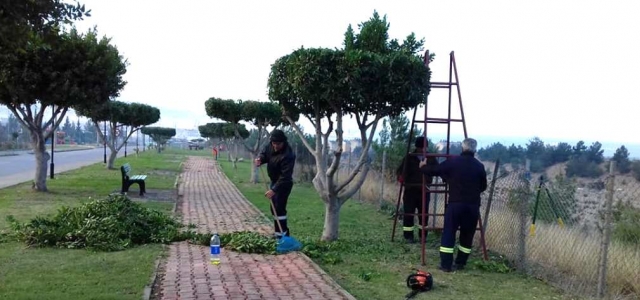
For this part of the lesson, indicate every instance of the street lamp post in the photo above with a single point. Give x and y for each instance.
(125, 141)
(104, 140)
(53, 139)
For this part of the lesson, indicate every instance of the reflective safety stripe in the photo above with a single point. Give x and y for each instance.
(446, 250)
(464, 250)
(282, 217)
(279, 233)
(405, 228)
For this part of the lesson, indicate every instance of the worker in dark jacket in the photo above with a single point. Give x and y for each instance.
(412, 197)
(280, 160)
(467, 179)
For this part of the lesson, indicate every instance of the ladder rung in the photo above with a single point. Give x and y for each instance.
(443, 84)
(420, 184)
(441, 228)
(420, 214)
(431, 154)
(444, 120)
(438, 120)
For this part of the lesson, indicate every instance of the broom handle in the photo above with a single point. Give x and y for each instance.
(273, 208)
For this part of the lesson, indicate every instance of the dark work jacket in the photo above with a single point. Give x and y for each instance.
(413, 174)
(279, 166)
(465, 175)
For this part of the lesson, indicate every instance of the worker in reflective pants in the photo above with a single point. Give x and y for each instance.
(412, 196)
(467, 180)
(280, 160)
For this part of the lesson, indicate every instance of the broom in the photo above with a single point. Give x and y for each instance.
(285, 243)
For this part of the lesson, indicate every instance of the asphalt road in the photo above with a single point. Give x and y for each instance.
(21, 168)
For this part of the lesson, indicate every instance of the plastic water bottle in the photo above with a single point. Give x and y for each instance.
(215, 249)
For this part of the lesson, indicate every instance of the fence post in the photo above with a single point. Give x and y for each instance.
(523, 208)
(606, 235)
(383, 177)
(490, 199)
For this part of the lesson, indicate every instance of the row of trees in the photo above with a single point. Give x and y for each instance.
(264, 116)
(48, 65)
(582, 161)
(372, 77)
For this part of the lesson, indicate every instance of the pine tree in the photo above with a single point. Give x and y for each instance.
(621, 158)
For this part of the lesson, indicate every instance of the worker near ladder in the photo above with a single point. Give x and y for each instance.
(412, 197)
(280, 160)
(467, 179)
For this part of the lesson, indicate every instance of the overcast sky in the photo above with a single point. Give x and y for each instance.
(554, 69)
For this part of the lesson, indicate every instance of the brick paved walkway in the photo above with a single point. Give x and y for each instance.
(212, 202)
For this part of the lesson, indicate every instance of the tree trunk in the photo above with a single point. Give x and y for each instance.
(111, 159)
(42, 157)
(331, 219)
(235, 151)
(254, 171)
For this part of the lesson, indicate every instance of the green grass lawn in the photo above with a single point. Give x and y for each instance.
(367, 264)
(80, 274)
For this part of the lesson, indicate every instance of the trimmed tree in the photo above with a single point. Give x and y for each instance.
(70, 70)
(371, 78)
(210, 132)
(225, 133)
(120, 117)
(262, 115)
(160, 135)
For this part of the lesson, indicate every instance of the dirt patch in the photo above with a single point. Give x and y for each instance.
(163, 173)
(152, 195)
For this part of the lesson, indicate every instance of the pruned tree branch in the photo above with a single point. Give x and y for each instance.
(338, 153)
(301, 134)
(363, 158)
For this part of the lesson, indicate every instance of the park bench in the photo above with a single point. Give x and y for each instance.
(128, 180)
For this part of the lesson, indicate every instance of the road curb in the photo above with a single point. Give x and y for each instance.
(148, 289)
(326, 276)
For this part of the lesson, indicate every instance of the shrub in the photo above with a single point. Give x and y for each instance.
(582, 167)
(110, 224)
(626, 223)
(117, 223)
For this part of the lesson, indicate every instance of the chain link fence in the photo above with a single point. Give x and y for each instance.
(581, 235)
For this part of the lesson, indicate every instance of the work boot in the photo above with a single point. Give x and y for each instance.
(444, 269)
(461, 259)
(446, 260)
(408, 237)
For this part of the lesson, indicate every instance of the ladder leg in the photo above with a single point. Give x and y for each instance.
(396, 215)
(482, 240)
(423, 226)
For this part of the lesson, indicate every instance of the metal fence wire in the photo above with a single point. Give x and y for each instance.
(580, 237)
(585, 238)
